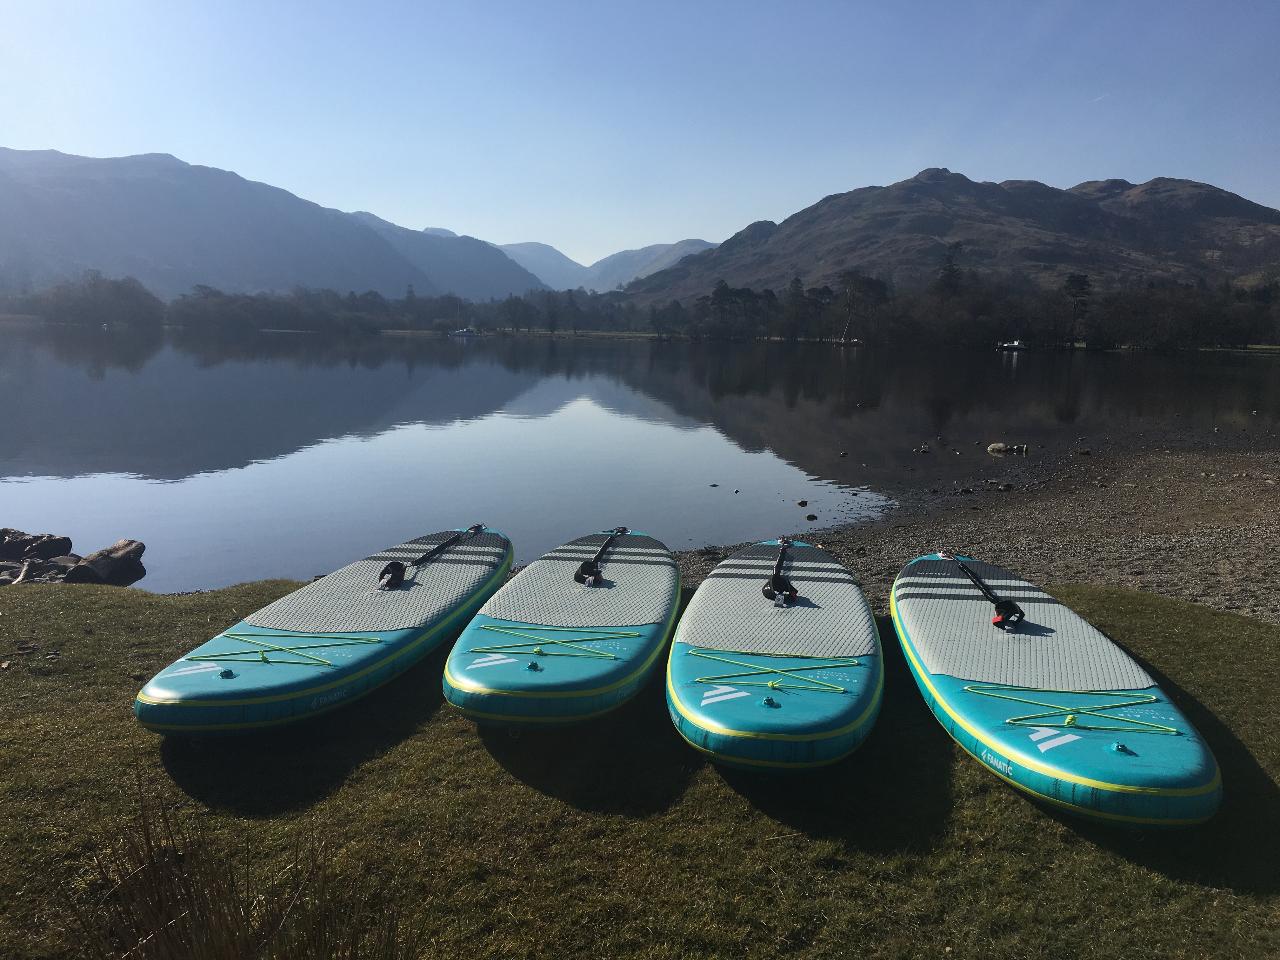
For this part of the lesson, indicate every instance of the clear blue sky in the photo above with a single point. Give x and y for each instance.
(597, 126)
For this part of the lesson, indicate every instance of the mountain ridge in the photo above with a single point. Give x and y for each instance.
(1118, 232)
(175, 225)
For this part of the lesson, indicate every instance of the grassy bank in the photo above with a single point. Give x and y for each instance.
(616, 840)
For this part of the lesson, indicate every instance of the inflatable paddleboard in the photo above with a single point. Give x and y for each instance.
(1047, 703)
(334, 640)
(573, 635)
(754, 682)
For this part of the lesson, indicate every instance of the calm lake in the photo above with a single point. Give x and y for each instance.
(285, 455)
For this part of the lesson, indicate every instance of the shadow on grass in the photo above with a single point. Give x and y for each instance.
(892, 794)
(630, 761)
(1238, 849)
(265, 773)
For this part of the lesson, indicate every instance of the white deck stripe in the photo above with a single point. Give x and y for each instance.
(720, 692)
(1056, 742)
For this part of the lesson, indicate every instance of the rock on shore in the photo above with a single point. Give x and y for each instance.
(46, 558)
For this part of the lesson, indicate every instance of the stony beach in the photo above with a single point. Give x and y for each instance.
(1193, 524)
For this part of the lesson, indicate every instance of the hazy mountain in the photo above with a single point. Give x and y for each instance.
(549, 265)
(1116, 231)
(621, 268)
(561, 273)
(174, 225)
(464, 266)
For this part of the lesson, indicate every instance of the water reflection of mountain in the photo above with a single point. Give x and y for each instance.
(808, 404)
(179, 413)
(105, 402)
(91, 401)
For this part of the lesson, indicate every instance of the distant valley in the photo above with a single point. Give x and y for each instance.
(610, 273)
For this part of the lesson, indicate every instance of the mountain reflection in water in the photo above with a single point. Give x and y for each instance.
(287, 455)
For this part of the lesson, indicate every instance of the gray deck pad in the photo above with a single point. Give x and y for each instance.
(641, 584)
(830, 619)
(348, 601)
(949, 622)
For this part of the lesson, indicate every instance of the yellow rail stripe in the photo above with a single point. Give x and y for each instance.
(526, 718)
(500, 573)
(1088, 811)
(778, 764)
(713, 727)
(470, 686)
(255, 724)
(1030, 762)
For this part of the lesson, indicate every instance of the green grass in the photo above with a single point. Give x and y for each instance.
(617, 840)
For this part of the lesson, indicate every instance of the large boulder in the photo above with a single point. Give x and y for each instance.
(46, 546)
(13, 543)
(119, 565)
(16, 545)
(46, 558)
(82, 573)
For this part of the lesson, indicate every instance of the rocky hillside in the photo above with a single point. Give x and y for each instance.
(1118, 232)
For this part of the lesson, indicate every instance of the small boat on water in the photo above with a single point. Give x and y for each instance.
(1011, 345)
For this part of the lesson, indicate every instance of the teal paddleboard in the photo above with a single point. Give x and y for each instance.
(556, 645)
(1048, 703)
(769, 685)
(334, 640)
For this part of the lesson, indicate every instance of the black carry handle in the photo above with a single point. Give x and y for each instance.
(1007, 613)
(589, 571)
(392, 575)
(778, 588)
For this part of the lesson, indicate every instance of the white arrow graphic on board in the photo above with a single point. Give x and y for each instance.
(491, 660)
(1038, 738)
(721, 692)
(203, 668)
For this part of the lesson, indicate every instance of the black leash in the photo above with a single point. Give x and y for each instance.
(778, 588)
(589, 572)
(1007, 613)
(392, 575)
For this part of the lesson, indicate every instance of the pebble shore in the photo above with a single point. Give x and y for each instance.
(1202, 526)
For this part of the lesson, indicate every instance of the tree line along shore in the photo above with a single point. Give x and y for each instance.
(961, 307)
